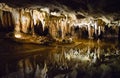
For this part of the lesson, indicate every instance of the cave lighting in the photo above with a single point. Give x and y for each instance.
(45, 10)
(18, 35)
(23, 20)
(55, 13)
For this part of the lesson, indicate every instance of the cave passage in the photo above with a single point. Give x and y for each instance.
(54, 39)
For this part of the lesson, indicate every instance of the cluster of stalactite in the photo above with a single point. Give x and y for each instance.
(43, 22)
(27, 21)
(59, 27)
(35, 21)
(6, 21)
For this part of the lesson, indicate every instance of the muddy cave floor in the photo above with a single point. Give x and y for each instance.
(107, 64)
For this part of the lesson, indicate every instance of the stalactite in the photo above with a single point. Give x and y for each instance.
(52, 29)
(35, 17)
(28, 21)
(2, 18)
(6, 20)
(66, 27)
(62, 29)
(89, 34)
(96, 27)
(41, 17)
(1, 14)
(43, 24)
(32, 23)
(57, 25)
(99, 30)
(9, 19)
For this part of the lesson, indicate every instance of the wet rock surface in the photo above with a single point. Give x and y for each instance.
(90, 59)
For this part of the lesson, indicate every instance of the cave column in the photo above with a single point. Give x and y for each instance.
(16, 16)
(99, 30)
(32, 23)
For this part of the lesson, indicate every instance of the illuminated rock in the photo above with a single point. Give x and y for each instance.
(18, 35)
(61, 24)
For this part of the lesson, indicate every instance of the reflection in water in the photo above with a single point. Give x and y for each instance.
(88, 60)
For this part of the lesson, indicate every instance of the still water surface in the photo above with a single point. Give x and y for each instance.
(90, 59)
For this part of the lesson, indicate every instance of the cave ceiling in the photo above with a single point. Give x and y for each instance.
(81, 8)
